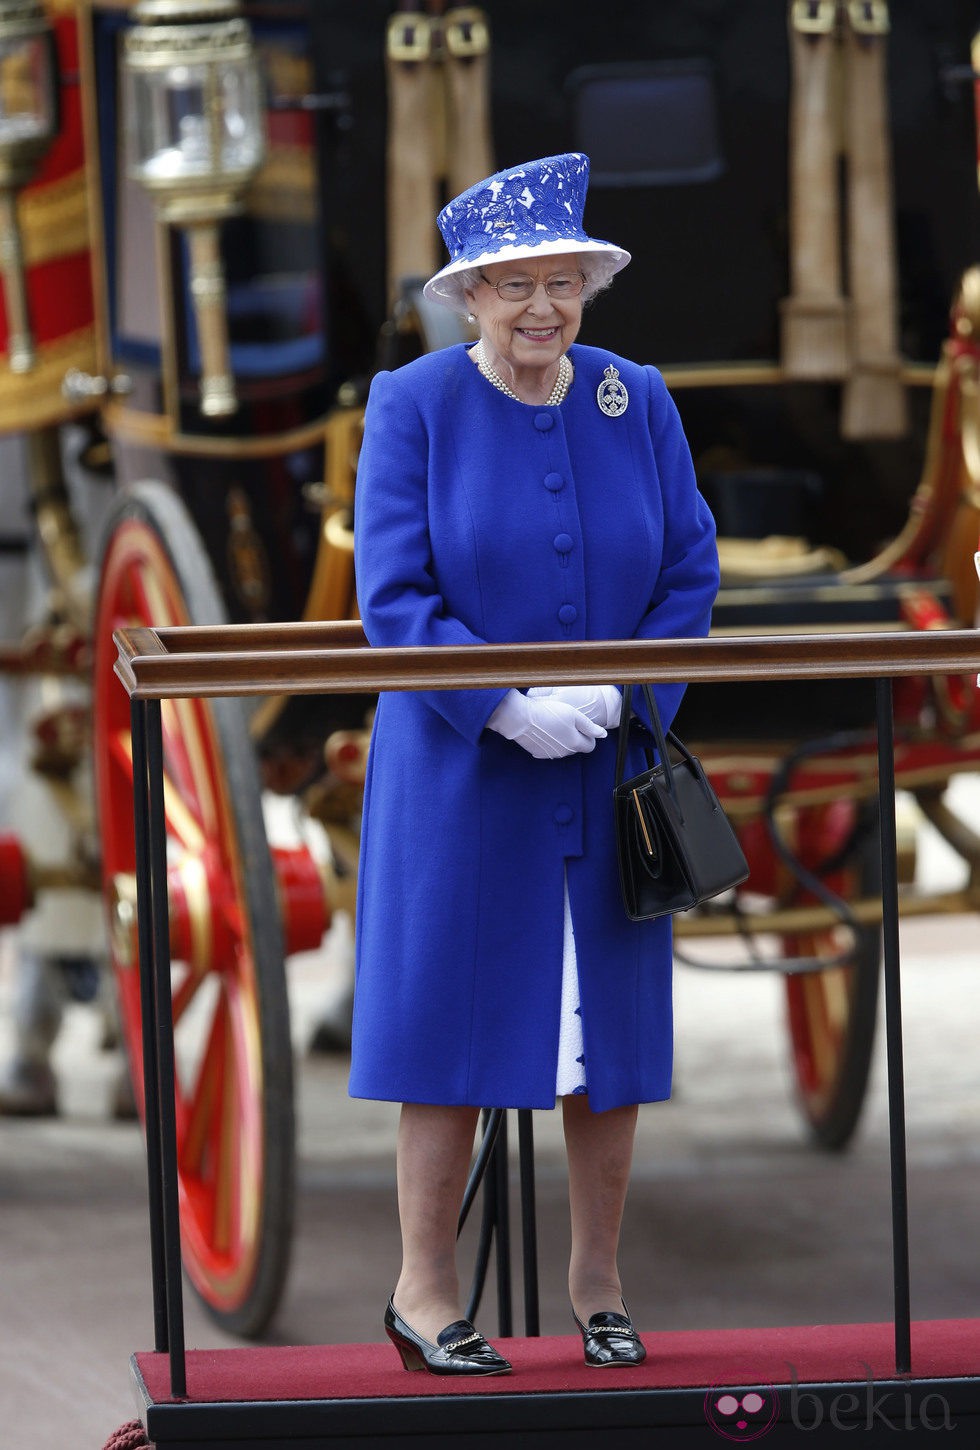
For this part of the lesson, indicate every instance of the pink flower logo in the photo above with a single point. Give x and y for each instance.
(741, 1414)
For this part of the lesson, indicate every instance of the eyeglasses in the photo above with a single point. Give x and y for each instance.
(562, 286)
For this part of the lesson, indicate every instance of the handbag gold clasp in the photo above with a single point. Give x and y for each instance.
(643, 824)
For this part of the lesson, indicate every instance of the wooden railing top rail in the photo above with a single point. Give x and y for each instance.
(321, 657)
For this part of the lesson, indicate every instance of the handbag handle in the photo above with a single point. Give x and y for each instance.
(657, 729)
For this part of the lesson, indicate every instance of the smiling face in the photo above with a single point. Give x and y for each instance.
(524, 340)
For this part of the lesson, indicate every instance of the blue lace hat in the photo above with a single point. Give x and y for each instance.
(531, 210)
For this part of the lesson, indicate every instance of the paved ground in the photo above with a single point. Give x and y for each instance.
(733, 1218)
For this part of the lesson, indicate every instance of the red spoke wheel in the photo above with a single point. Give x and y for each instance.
(234, 1096)
(832, 1013)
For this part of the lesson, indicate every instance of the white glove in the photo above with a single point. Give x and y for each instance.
(602, 703)
(547, 729)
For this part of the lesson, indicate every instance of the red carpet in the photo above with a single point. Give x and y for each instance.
(826, 1353)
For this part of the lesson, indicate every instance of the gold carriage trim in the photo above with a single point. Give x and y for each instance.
(30, 400)
(53, 219)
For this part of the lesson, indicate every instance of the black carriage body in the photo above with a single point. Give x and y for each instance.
(683, 107)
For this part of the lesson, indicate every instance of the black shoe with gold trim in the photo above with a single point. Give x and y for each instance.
(459, 1349)
(610, 1339)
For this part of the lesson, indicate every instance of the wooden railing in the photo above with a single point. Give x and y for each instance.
(325, 658)
(318, 658)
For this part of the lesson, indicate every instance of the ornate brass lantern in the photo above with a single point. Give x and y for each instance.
(28, 121)
(195, 140)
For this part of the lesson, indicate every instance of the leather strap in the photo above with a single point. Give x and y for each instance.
(840, 106)
(412, 159)
(874, 404)
(439, 132)
(656, 729)
(814, 316)
(469, 148)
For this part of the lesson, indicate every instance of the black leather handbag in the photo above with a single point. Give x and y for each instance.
(675, 844)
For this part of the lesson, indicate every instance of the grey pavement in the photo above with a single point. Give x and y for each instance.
(733, 1218)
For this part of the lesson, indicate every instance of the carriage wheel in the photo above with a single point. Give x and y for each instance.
(832, 1013)
(234, 1094)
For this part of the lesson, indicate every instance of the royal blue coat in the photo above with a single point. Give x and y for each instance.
(480, 518)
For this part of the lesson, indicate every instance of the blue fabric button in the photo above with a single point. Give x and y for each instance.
(564, 543)
(554, 481)
(568, 614)
(543, 421)
(563, 814)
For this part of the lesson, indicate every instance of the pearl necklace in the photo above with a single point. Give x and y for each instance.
(557, 395)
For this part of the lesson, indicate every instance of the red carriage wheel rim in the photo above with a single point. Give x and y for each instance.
(219, 1129)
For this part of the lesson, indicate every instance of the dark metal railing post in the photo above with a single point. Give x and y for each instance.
(529, 1223)
(166, 1071)
(148, 1018)
(501, 1197)
(893, 1025)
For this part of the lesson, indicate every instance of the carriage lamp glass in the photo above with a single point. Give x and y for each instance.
(195, 139)
(28, 122)
(193, 108)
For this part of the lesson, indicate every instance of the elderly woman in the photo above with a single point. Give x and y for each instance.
(525, 488)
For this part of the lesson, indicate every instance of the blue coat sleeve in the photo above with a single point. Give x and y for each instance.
(397, 590)
(680, 607)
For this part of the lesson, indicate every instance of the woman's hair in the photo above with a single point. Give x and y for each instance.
(467, 282)
(598, 269)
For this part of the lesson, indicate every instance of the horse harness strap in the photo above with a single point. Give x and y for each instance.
(437, 64)
(839, 107)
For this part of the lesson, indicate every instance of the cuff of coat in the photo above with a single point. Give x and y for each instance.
(466, 710)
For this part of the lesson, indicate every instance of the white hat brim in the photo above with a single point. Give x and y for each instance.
(446, 287)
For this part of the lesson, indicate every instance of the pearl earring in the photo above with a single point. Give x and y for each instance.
(471, 317)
